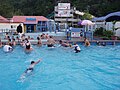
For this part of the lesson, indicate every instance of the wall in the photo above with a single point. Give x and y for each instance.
(117, 25)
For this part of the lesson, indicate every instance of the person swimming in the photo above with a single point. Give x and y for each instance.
(64, 44)
(30, 68)
(32, 65)
(28, 71)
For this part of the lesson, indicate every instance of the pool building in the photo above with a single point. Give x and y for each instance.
(30, 24)
(33, 23)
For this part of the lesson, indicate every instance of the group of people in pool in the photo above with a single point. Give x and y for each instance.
(25, 42)
(50, 43)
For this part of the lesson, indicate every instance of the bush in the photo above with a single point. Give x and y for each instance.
(108, 33)
(118, 38)
(99, 31)
(104, 34)
(105, 38)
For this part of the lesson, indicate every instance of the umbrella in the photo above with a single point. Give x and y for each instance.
(85, 22)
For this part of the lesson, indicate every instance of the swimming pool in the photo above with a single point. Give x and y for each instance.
(94, 68)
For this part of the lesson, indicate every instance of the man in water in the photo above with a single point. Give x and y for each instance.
(30, 68)
(50, 42)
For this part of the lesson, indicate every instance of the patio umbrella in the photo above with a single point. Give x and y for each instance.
(85, 23)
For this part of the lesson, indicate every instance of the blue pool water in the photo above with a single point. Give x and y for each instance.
(94, 68)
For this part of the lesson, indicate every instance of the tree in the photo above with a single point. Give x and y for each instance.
(87, 16)
(8, 8)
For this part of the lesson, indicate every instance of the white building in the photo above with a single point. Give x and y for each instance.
(64, 15)
(107, 22)
(7, 25)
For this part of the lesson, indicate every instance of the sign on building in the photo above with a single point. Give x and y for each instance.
(64, 6)
(75, 34)
(63, 13)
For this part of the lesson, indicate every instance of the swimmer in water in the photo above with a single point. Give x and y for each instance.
(30, 68)
(64, 44)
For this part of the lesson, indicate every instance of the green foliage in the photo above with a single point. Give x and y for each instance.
(118, 38)
(108, 33)
(104, 34)
(87, 16)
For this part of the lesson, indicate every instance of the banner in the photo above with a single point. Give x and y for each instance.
(75, 34)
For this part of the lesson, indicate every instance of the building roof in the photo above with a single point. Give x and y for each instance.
(3, 20)
(104, 18)
(29, 19)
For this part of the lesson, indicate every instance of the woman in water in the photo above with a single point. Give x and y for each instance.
(28, 46)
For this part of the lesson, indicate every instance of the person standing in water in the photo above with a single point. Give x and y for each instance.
(50, 42)
(76, 48)
(87, 43)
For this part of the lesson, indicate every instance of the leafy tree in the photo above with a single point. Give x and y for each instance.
(8, 8)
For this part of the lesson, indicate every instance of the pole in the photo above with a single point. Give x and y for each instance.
(85, 32)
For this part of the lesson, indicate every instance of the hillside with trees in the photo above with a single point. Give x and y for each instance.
(9, 8)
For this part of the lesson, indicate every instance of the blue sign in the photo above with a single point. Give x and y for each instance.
(30, 19)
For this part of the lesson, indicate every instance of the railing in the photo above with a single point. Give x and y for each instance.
(11, 31)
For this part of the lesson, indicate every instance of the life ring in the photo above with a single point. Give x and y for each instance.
(7, 48)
